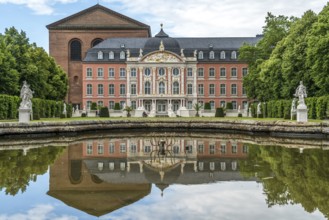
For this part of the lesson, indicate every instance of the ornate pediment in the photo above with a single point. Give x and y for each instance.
(162, 57)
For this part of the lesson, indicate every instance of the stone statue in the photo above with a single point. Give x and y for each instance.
(140, 52)
(301, 93)
(182, 52)
(161, 47)
(293, 105)
(195, 53)
(64, 108)
(26, 96)
(128, 53)
(258, 109)
(239, 109)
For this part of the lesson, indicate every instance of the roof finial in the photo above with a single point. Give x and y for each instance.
(161, 25)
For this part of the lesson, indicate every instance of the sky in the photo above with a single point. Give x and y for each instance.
(181, 18)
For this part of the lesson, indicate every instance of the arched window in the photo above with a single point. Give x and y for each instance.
(233, 55)
(96, 41)
(212, 55)
(147, 72)
(147, 88)
(222, 55)
(100, 55)
(75, 50)
(200, 56)
(122, 55)
(175, 71)
(175, 88)
(111, 55)
(161, 71)
(162, 88)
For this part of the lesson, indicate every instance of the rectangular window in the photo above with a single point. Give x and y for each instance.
(133, 72)
(245, 149)
(147, 149)
(200, 89)
(100, 103)
(212, 105)
(189, 104)
(89, 89)
(222, 89)
(122, 148)
(212, 89)
(111, 89)
(189, 72)
(222, 72)
(234, 72)
(100, 149)
(89, 148)
(133, 148)
(100, 89)
(122, 104)
(89, 72)
(111, 104)
(223, 148)
(189, 89)
(234, 104)
(244, 72)
(212, 72)
(111, 148)
(234, 149)
(200, 148)
(133, 105)
(100, 72)
(222, 104)
(89, 104)
(211, 149)
(122, 72)
(200, 72)
(122, 89)
(244, 92)
(111, 72)
(233, 89)
(133, 89)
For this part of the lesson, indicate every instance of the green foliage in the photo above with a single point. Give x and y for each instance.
(8, 107)
(229, 106)
(104, 112)
(20, 60)
(17, 169)
(197, 107)
(117, 106)
(219, 112)
(207, 106)
(128, 109)
(93, 106)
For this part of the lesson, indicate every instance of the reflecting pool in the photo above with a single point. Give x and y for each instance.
(164, 176)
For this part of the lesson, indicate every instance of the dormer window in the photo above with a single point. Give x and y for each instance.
(100, 55)
(111, 55)
(200, 56)
(222, 55)
(122, 55)
(233, 55)
(212, 55)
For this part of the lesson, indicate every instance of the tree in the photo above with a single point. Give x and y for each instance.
(128, 109)
(197, 107)
(318, 51)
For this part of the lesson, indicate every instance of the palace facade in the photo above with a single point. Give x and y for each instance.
(160, 75)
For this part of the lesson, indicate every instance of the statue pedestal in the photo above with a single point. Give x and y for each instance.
(24, 115)
(302, 113)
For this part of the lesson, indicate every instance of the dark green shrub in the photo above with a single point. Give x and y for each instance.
(93, 106)
(229, 106)
(104, 112)
(62, 116)
(117, 106)
(219, 112)
(84, 115)
(240, 115)
(207, 106)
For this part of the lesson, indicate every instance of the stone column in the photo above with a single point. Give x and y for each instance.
(128, 88)
(169, 80)
(182, 80)
(194, 86)
(140, 80)
(154, 76)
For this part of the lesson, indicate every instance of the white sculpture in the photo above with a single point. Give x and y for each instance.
(301, 108)
(301, 93)
(26, 95)
(64, 109)
(128, 53)
(258, 109)
(182, 52)
(140, 52)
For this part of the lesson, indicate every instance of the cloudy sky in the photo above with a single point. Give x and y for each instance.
(181, 18)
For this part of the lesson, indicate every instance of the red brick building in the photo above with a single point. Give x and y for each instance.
(116, 61)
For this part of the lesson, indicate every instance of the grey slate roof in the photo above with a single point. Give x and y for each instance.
(189, 45)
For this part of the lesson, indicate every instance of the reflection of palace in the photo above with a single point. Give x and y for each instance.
(102, 175)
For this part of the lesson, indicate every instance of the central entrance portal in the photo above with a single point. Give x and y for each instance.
(161, 107)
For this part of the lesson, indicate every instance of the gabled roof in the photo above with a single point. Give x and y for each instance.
(86, 20)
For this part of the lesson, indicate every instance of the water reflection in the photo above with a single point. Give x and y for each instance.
(101, 174)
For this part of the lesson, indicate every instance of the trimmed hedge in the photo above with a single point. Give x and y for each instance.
(219, 112)
(104, 112)
(41, 108)
(207, 106)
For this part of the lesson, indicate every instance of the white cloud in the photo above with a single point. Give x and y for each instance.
(40, 7)
(204, 18)
(39, 212)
